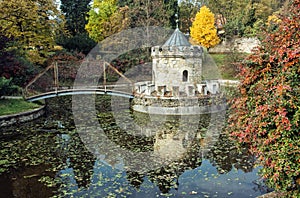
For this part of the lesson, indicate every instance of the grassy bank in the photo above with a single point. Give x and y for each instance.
(12, 106)
(226, 64)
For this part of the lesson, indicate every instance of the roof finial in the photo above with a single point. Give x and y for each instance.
(177, 21)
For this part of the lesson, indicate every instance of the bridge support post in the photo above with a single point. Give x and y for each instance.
(55, 68)
(104, 74)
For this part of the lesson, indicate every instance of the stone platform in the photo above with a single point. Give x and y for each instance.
(180, 105)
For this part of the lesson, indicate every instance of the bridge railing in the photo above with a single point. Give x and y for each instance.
(61, 75)
(56, 76)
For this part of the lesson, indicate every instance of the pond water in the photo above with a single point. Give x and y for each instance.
(127, 154)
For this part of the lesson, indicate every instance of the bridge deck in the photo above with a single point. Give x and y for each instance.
(78, 91)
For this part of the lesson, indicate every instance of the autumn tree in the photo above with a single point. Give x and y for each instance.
(203, 30)
(266, 114)
(31, 25)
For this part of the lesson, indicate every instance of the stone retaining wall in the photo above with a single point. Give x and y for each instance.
(179, 106)
(244, 45)
(8, 120)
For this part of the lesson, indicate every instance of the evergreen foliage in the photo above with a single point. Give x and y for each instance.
(75, 12)
(6, 87)
(75, 36)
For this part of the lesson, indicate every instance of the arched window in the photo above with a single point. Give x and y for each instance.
(185, 76)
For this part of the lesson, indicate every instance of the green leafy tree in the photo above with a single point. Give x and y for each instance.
(145, 13)
(31, 25)
(229, 9)
(266, 114)
(6, 87)
(105, 18)
(203, 30)
(80, 42)
(238, 15)
(244, 17)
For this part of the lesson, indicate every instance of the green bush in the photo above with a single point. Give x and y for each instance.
(80, 43)
(7, 88)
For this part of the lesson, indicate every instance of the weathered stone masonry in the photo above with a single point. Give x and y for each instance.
(177, 87)
(8, 120)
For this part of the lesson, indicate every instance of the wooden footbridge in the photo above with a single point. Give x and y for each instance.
(58, 80)
(65, 92)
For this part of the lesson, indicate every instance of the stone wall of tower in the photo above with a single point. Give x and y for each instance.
(172, 63)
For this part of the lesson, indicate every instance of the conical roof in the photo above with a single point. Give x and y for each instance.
(177, 39)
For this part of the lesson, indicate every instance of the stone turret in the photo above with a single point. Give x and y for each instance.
(176, 65)
(177, 87)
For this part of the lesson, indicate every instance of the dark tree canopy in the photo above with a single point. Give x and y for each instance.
(75, 12)
(151, 12)
(76, 37)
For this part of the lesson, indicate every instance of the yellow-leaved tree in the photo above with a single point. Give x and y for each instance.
(203, 30)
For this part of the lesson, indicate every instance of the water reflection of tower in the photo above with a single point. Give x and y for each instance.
(167, 176)
(177, 141)
(155, 146)
(177, 134)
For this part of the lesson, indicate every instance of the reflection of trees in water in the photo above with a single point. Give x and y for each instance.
(30, 157)
(120, 137)
(190, 133)
(224, 155)
(72, 149)
(183, 134)
(135, 179)
(25, 183)
(82, 161)
(59, 108)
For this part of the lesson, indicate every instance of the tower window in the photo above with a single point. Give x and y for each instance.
(185, 76)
